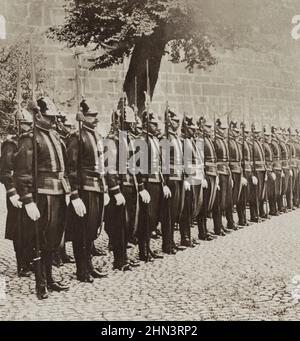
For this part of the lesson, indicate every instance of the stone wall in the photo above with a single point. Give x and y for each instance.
(264, 87)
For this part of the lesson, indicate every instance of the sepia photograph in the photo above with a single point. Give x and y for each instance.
(149, 163)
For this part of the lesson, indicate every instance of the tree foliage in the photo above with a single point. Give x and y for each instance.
(11, 55)
(114, 27)
(185, 29)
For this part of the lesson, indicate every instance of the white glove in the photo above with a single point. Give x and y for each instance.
(32, 211)
(273, 176)
(120, 200)
(291, 173)
(244, 181)
(106, 199)
(187, 185)
(254, 180)
(204, 183)
(282, 174)
(79, 207)
(67, 199)
(14, 199)
(145, 196)
(266, 176)
(167, 192)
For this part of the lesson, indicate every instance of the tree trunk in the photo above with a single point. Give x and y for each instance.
(151, 49)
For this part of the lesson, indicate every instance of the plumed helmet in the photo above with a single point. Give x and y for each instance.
(87, 108)
(234, 126)
(188, 122)
(220, 125)
(47, 107)
(129, 115)
(24, 116)
(254, 129)
(172, 116)
(152, 117)
(273, 129)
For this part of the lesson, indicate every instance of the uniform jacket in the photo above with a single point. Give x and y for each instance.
(115, 176)
(276, 153)
(51, 156)
(8, 150)
(234, 155)
(222, 153)
(175, 164)
(210, 156)
(92, 160)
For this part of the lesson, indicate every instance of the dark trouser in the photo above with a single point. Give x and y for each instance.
(236, 191)
(149, 216)
(51, 228)
(19, 230)
(242, 201)
(291, 189)
(121, 224)
(257, 197)
(271, 193)
(278, 190)
(209, 197)
(284, 192)
(84, 230)
(193, 201)
(296, 191)
(223, 203)
(296, 187)
(171, 213)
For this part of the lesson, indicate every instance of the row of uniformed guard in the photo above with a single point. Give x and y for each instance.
(234, 168)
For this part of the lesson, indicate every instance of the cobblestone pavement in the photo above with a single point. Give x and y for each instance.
(250, 274)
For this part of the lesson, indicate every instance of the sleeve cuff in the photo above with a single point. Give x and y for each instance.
(141, 187)
(114, 190)
(11, 192)
(27, 199)
(74, 195)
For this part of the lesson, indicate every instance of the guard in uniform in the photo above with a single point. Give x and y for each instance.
(172, 159)
(277, 167)
(64, 128)
(246, 158)
(284, 158)
(270, 193)
(235, 164)
(16, 228)
(296, 195)
(211, 177)
(259, 171)
(224, 202)
(88, 193)
(125, 187)
(52, 184)
(194, 174)
(154, 183)
(293, 170)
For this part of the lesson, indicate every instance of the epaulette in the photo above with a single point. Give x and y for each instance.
(11, 139)
(74, 134)
(27, 134)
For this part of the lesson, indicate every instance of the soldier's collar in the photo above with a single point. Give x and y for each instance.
(174, 133)
(145, 132)
(89, 126)
(43, 125)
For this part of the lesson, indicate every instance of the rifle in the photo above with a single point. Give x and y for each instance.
(80, 119)
(37, 249)
(254, 171)
(18, 118)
